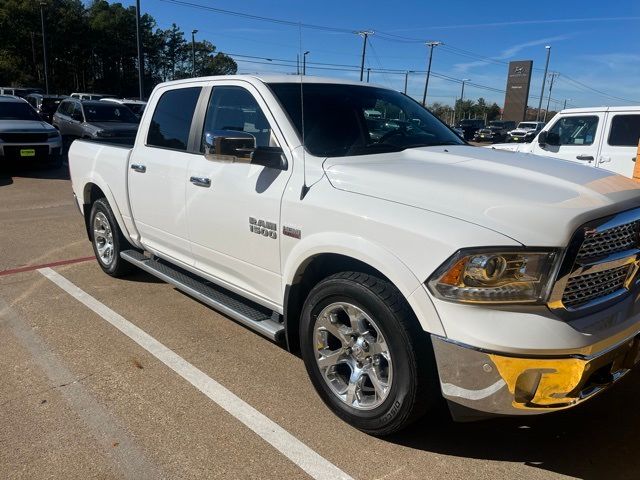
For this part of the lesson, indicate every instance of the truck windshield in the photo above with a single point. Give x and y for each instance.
(17, 111)
(349, 120)
(109, 113)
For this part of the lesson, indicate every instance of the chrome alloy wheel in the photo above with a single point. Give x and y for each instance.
(353, 356)
(103, 238)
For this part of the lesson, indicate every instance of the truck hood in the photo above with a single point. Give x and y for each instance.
(537, 201)
(117, 128)
(24, 126)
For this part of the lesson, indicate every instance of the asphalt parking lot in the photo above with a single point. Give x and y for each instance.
(81, 399)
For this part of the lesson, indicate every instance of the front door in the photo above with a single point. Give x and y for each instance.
(620, 145)
(234, 208)
(574, 137)
(158, 175)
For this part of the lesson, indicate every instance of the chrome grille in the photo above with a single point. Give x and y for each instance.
(613, 240)
(582, 289)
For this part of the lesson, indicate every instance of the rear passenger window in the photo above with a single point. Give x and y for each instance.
(625, 131)
(171, 121)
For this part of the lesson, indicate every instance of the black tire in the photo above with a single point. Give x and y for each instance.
(116, 267)
(414, 388)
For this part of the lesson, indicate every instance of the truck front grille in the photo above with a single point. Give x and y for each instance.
(602, 260)
(23, 137)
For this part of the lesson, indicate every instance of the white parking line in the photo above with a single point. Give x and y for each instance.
(308, 460)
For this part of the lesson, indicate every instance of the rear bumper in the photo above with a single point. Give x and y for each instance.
(480, 384)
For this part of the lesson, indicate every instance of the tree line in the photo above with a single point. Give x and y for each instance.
(92, 47)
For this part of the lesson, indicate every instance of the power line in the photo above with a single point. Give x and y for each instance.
(600, 92)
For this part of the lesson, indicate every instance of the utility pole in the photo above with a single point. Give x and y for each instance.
(297, 64)
(304, 62)
(406, 80)
(368, 72)
(193, 52)
(365, 35)
(140, 57)
(426, 82)
(464, 80)
(565, 103)
(44, 48)
(553, 76)
(544, 79)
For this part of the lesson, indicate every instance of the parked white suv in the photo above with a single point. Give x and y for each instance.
(604, 137)
(404, 264)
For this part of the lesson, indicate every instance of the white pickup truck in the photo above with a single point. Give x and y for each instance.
(405, 265)
(601, 137)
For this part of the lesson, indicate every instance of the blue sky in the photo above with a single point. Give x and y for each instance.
(593, 42)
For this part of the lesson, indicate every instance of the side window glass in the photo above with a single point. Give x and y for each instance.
(77, 111)
(625, 131)
(575, 130)
(235, 109)
(171, 121)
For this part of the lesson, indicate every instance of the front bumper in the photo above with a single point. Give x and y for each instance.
(478, 383)
(42, 152)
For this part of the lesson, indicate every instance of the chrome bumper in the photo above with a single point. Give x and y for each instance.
(482, 384)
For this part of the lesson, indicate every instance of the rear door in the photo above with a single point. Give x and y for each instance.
(577, 138)
(158, 169)
(234, 208)
(620, 143)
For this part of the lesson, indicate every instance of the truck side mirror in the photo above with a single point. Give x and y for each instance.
(542, 139)
(228, 145)
(270, 157)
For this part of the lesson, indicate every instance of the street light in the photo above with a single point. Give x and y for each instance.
(193, 52)
(544, 79)
(304, 62)
(426, 82)
(365, 35)
(406, 79)
(44, 48)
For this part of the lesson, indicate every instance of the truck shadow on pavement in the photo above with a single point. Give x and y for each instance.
(7, 172)
(598, 439)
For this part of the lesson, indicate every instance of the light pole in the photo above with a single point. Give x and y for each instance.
(426, 82)
(553, 76)
(544, 79)
(464, 80)
(140, 57)
(44, 48)
(193, 52)
(365, 35)
(304, 62)
(406, 80)
(368, 72)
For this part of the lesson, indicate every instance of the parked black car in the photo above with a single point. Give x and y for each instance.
(497, 131)
(45, 105)
(470, 127)
(24, 136)
(93, 119)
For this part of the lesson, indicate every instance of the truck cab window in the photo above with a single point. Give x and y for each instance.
(575, 130)
(171, 121)
(234, 108)
(625, 131)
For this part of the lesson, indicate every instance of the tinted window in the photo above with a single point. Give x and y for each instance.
(17, 111)
(109, 113)
(171, 121)
(625, 131)
(66, 108)
(343, 120)
(575, 130)
(234, 108)
(76, 111)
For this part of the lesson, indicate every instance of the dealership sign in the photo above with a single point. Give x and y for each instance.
(517, 96)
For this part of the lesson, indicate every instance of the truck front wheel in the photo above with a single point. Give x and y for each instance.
(365, 353)
(107, 240)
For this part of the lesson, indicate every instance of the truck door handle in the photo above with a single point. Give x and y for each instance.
(588, 158)
(138, 168)
(201, 181)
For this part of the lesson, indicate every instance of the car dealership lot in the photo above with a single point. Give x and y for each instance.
(80, 399)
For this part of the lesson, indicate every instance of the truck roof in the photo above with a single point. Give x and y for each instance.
(633, 108)
(274, 79)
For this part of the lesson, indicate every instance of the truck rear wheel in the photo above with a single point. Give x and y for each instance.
(107, 240)
(365, 353)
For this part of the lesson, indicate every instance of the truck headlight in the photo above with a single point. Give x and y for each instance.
(53, 134)
(104, 133)
(490, 275)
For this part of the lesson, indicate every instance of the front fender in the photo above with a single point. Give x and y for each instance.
(374, 255)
